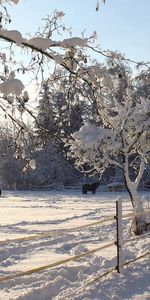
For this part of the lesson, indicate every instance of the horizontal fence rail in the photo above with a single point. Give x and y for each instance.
(137, 258)
(146, 212)
(65, 231)
(57, 232)
(136, 239)
(99, 276)
(55, 264)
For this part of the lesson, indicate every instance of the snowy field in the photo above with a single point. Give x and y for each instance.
(63, 216)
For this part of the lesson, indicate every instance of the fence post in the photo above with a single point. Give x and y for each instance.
(119, 241)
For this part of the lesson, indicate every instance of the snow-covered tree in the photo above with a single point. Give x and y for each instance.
(45, 52)
(123, 139)
(45, 123)
(115, 99)
(10, 168)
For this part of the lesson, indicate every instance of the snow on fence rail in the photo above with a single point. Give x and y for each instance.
(119, 243)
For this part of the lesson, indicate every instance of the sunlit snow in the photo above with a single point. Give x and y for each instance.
(60, 214)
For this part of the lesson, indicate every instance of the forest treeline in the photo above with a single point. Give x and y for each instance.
(41, 160)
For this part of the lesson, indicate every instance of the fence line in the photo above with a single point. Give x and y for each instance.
(55, 264)
(115, 268)
(57, 232)
(135, 239)
(76, 291)
(97, 278)
(137, 258)
(136, 214)
(119, 244)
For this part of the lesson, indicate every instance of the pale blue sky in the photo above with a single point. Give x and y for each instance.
(122, 25)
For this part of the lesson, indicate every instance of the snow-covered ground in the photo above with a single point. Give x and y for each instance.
(62, 215)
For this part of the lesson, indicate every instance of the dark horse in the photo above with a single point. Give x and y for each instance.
(90, 187)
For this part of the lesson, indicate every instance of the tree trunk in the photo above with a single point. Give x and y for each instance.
(138, 223)
(129, 192)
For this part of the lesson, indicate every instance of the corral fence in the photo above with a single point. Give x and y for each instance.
(119, 243)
